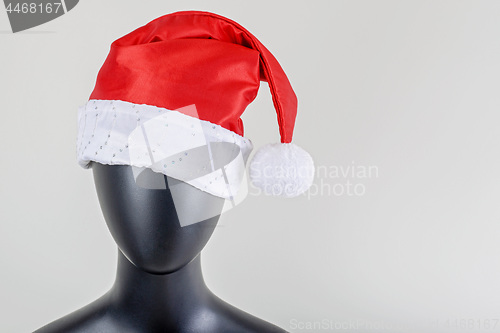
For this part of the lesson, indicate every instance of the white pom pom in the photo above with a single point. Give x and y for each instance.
(282, 169)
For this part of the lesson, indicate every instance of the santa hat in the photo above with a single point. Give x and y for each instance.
(170, 96)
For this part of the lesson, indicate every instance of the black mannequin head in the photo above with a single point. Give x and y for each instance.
(145, 212)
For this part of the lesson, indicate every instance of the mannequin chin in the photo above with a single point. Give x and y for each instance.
(142, 218)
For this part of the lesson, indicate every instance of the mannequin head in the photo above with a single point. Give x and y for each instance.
(144, 213)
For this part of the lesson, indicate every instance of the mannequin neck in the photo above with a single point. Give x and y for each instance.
(159, 299)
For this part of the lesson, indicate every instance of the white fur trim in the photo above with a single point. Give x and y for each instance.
(282, 169)
(202, 154)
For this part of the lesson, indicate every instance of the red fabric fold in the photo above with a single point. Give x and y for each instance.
(197, 58)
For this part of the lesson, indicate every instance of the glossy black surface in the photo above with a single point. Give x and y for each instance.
(159, 285)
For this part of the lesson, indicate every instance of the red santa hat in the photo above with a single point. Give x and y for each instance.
(170, 96)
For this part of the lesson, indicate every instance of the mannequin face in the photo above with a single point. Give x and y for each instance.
(146, 215)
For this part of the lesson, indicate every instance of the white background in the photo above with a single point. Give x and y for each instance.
(411, 87)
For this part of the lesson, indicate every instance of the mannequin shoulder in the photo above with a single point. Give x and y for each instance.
(90, 319)
(234, 320)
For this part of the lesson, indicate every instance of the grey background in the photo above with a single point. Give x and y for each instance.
(411, 87)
